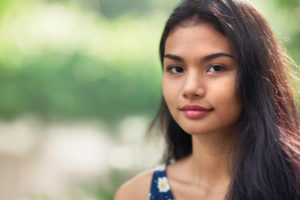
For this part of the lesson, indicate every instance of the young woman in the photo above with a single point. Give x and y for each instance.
(227, 111)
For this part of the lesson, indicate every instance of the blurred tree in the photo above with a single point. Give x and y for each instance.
(59, 58)
(117, 8)
(292, 9)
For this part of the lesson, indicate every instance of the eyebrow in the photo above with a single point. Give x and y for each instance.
(205, 58)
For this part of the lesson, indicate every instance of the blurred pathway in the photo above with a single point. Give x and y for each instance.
(39, 159)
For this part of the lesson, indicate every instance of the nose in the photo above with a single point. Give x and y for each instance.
(194, 86)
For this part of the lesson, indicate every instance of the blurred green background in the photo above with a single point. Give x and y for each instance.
(78, 62)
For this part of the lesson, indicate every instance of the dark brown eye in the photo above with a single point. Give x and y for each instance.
(175, 69)
(215, 68)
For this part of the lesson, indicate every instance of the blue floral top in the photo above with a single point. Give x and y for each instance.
(160, 188)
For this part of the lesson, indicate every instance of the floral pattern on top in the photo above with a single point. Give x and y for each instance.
(160, 188)
(162, 184)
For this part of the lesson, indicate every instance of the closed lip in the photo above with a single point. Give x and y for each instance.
(195, 108)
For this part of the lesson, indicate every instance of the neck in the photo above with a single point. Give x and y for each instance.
(210, 158)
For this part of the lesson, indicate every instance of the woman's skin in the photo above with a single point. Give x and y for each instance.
(199, 70)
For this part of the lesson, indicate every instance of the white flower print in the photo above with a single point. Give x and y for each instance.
(162, 184)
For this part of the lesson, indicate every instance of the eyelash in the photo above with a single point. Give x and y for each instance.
(222, 68)
(170, 68)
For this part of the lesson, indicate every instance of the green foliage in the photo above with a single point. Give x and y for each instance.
(103, 70)
(284, 17)
(79, 87)
(289, 4)
(60, 61)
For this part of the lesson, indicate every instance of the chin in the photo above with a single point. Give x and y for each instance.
(195, 127)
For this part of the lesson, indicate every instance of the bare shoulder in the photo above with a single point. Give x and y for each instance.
(136, 188)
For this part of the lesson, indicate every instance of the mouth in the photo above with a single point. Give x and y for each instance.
(195, 111)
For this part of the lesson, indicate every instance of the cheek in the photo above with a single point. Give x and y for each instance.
(169, 89)
(171, 93)
(164, 85)
(226, 101)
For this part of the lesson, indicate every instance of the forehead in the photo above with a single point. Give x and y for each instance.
(201, 37)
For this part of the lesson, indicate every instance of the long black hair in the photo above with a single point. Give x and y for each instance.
(266, 164)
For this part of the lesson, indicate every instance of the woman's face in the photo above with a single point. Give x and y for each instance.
(199, 78)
